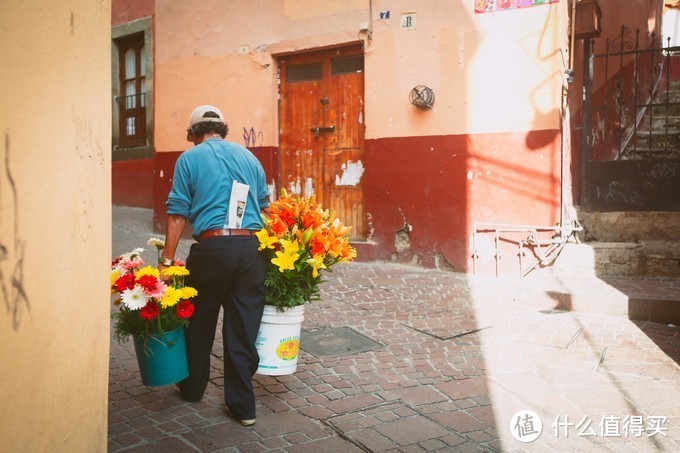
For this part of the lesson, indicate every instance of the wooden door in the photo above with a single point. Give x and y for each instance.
(322, 130)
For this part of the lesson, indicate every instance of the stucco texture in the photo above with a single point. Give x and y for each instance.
(55, 225)
(508, 61)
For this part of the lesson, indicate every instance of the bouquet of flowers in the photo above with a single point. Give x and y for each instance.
(147, 303)
(301, 238)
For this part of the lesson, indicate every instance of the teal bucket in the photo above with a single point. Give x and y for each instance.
(162, 358)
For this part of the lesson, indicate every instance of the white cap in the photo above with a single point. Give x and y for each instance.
(197, 116)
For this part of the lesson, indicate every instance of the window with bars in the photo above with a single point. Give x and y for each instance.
(132, 100)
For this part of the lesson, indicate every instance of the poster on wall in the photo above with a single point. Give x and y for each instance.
(487, 6)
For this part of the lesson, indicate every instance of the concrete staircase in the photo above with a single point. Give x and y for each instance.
(638, 253)
(658, 133)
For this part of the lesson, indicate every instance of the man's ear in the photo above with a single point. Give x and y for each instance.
(190, 134)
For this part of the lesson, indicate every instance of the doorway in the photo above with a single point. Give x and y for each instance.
(321, 111)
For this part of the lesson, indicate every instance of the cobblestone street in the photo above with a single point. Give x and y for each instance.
(453, 358)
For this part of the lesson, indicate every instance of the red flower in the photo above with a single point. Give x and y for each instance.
(124, 282)
(311, 219)
(148, 282)
(279, 227)
(149, 311)
(185, 309)
(317, 246)
(287, 218)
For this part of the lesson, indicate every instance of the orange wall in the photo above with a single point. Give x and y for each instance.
(55, 225)
(224, 54)
(488, 151)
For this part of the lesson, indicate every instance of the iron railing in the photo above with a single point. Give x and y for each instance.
(132, 117)
(635, 111)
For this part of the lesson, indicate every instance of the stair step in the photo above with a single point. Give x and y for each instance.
(661, 122)
(661, 109)
(644, 259)
(630, 226)
(654, 300)
(660, 131)
(672, 95)
(639, 152)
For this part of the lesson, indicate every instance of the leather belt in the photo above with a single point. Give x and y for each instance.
(226, 232)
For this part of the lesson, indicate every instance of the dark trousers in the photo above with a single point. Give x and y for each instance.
(227, 272)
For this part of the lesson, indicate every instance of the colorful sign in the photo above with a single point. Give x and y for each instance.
(288, 349)
(487, 6)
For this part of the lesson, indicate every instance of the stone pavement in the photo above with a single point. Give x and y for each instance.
(455, 359)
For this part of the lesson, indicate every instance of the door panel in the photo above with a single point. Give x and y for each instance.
(322, 130)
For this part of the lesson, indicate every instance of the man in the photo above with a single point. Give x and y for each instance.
(219, 187)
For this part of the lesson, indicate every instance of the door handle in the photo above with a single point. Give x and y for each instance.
(318, 130)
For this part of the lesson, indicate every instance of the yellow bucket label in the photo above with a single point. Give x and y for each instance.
(288, 349)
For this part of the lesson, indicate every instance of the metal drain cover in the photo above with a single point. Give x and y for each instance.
(335, 341)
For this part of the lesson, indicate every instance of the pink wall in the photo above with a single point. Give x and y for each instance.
(123, 11)
(489, 150)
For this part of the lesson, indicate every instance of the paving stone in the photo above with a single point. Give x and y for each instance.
(412, 430)
(332, 445)
(415, 396)
(283, 423)
(459, 422)
(421, 392)
(165, 445)
(465, 388)
(373, 440)
(217, 437)
(352, 403)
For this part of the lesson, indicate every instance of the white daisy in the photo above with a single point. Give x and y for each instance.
(134, 298)
(158, 243)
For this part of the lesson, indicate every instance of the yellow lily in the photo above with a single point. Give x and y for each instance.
(266, 241)
(316, 263)
(285, 260)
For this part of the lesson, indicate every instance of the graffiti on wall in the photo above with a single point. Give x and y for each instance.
(14, 297)
(487, 6)
(252, 140)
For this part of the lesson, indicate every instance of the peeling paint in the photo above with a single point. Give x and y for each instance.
(161, 174)
(294, 187)
(361, 110)
(369, 226)
(402, 239)
(309, 188)
(469, 174)
(351, 174)
(272, 191)
(599, 130)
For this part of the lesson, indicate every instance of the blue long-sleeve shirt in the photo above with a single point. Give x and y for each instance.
(202, 183)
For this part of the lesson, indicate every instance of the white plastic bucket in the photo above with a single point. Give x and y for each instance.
(278, 341)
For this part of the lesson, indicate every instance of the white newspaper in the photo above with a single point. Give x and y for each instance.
(237, 205)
